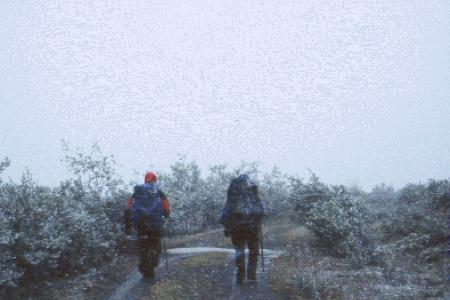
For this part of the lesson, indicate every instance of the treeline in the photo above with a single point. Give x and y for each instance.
(53, 231)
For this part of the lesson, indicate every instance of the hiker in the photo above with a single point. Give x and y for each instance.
(146, 209)
(242, 217)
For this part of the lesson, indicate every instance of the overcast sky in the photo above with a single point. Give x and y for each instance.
(356, 91)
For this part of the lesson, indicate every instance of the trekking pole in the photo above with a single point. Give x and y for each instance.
(165, 247)
(262, 246)
(165, 254)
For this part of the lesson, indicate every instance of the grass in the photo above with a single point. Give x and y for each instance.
(206, 260)
(167, 290)
(307, 272)
(205, 276)
(213, 238)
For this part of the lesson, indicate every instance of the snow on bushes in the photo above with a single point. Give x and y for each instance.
(46, 232)
(78, 225)
(333, 214)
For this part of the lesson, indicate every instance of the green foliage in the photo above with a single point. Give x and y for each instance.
(46, 232)
(411, 227)
(93, 171)
(333, 214)
(422, 210)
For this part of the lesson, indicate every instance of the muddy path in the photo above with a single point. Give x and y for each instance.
(197, 273)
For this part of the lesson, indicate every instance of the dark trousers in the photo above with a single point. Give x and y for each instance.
(149, 250)
(242, 236)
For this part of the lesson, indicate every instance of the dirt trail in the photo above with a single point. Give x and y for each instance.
(197, 273)
(201, 266)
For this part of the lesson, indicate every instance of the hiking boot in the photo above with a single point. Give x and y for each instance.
(251, 272)
(251, 276)
(240, 278)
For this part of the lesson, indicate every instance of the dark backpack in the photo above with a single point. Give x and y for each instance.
(243, 205)
(147, 211)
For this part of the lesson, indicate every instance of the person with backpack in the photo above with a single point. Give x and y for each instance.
(146, 210)
(242, 217)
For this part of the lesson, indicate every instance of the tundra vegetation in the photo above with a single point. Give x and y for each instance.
(340, 241)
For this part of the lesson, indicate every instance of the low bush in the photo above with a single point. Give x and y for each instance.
(334, 215)
(54, 231)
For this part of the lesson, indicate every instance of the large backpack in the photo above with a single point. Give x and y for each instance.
(147, 211)
(243, 206)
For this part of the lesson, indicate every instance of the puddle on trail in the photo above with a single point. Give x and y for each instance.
(200, 250)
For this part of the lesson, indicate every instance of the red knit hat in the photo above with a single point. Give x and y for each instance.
(150, 177)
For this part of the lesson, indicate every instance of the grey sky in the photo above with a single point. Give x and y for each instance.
(357, 92)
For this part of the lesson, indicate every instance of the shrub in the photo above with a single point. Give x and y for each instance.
(333, 214)
(422, 211)
(52, 231)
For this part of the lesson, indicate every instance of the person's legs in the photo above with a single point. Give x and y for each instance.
(253, 249)
(144, 264)
(154, 250)
(149, 250)
(239, 246)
